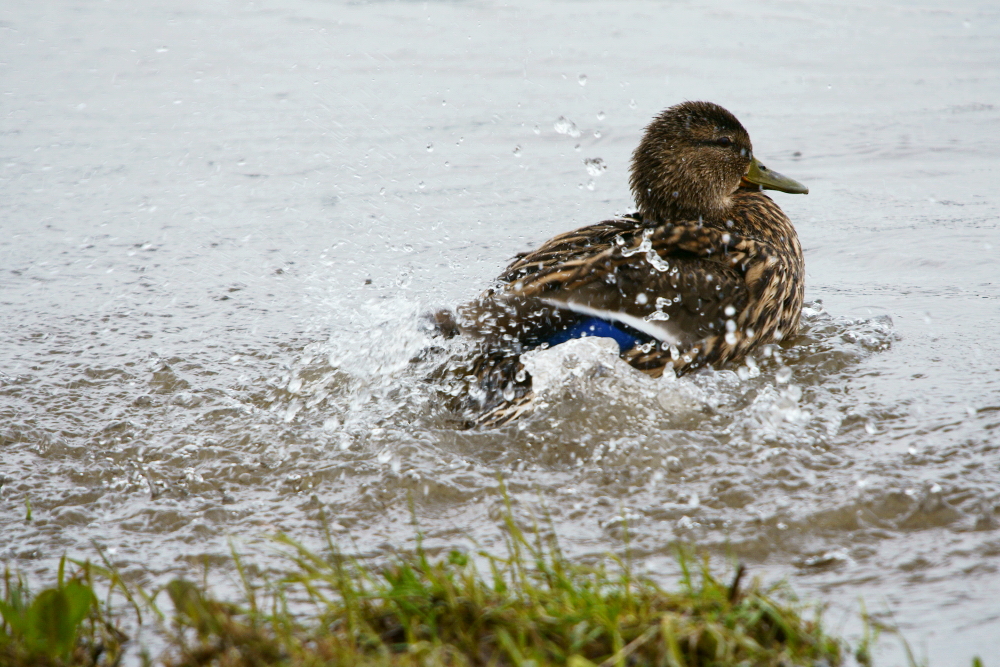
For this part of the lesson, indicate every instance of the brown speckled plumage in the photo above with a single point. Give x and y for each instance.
(708, 258)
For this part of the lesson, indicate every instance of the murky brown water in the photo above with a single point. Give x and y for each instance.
(195, 194)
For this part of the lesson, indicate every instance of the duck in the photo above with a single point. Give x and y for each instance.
(705, 271)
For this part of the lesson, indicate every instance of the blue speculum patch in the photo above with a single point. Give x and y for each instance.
(626, 337)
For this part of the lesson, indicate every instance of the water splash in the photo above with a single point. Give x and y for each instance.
(595, 166)
(567, 127)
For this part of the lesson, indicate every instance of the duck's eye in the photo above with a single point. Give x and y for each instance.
(724, 141)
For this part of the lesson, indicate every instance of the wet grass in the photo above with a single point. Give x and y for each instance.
(529, 607)
(64, 624)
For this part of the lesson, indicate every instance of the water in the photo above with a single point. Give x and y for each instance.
(222, 220)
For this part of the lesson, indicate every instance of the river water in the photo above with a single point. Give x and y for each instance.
(221, 221)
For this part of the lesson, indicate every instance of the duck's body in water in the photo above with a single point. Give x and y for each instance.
(706, 270)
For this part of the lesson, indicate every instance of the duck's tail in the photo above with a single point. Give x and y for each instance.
(501, 388)
(508, 411)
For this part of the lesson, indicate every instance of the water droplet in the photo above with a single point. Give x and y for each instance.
(517, 151)
(521, 375)
(537, 130)
(508, 392)
(292, 410)
(421, 185)
(600, 115)
(641, 298)
(732, 338)
(870, 428)
(595, 166)
(783, 375)
(430, 148)
(582, 79)
(162, 49)
(632, 104)
(591, 185)
(566, 126)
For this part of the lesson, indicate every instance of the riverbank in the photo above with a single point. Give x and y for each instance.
(528, 606)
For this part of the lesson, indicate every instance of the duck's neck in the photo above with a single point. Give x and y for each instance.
(661, 211)
(747, 212)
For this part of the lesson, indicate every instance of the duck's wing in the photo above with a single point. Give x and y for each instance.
(504, 316)
(674, 282)
(695, 289)
(575, 245)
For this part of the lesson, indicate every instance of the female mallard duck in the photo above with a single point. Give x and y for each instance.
(706, 270)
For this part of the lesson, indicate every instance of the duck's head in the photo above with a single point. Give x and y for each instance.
(692, 159)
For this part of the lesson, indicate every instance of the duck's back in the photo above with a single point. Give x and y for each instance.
(685, 285)
(758, 240)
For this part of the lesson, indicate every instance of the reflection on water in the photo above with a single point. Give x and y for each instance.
(215, 255)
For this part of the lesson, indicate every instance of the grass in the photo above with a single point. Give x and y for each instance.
(531, 607)
(65, 624)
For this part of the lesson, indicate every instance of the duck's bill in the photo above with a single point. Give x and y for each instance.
(768, 179)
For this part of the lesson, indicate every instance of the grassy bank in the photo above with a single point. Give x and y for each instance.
(528, 607)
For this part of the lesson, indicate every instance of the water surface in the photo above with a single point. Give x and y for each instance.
(221, 221)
